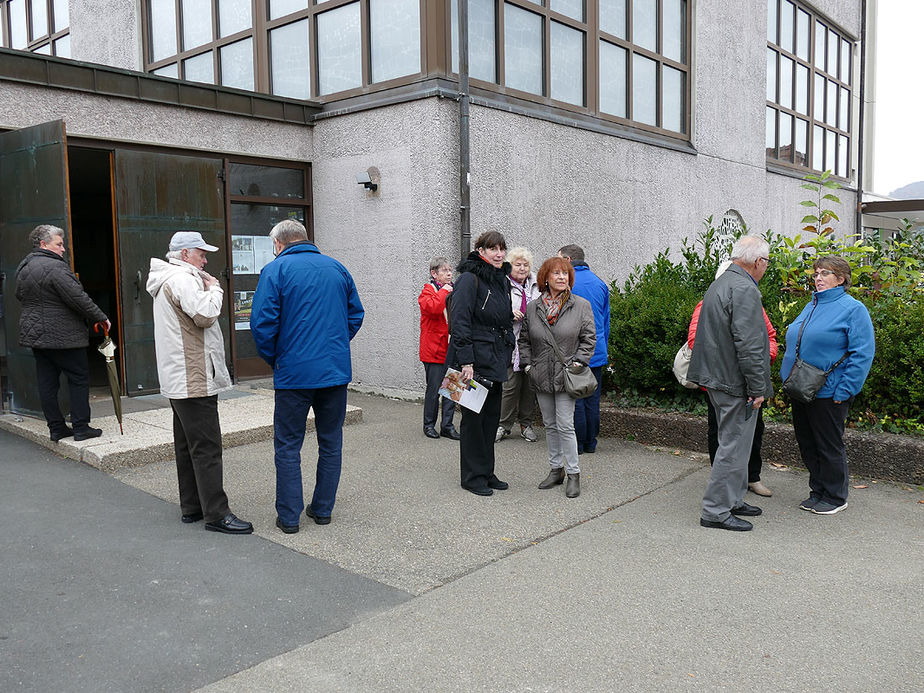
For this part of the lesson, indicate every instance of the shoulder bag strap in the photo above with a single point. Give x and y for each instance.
(555, 346)
(799, 342)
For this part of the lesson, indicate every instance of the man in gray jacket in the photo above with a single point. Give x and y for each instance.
(731, 359)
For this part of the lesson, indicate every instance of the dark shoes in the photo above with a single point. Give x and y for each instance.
(230, 524)
(555, 477)
(731, 523)
(826, 508)
(450, 432)
(87, 433)
(573, 489)
(288, 529)
(192, 517)
(480, 490)
(498, 485)
(318, 520)
(745, 510)
(60, 433)
(430, 432)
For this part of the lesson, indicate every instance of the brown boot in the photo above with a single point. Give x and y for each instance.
(555, 477)
(573, 489)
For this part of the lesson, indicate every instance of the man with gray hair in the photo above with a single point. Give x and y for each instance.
(191, 369)
(731, 359)
(54, 322)
(305, 312)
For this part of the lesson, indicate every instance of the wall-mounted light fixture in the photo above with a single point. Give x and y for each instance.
(365, 180)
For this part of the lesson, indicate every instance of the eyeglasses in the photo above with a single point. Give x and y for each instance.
(765, 259)
(822, 272)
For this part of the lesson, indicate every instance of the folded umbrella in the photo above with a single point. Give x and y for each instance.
(107, 349)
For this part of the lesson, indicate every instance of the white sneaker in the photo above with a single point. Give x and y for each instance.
(501, 434)
(529, 434)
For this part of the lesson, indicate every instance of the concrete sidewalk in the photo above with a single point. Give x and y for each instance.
(619, 589)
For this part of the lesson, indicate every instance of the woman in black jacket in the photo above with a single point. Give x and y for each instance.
(481, 346)
(56, 313)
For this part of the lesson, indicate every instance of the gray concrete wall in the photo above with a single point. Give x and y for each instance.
(107, 32)
(386, 238)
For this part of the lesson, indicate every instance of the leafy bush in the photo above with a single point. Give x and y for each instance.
(650, 313)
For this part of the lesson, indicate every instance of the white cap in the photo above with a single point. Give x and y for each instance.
(190, 239)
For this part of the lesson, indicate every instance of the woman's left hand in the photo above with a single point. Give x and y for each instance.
(517, 315)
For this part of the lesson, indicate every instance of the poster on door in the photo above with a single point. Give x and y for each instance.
(250, 254)
(243, 302)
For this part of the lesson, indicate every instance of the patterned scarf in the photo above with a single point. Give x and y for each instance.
(553, 305)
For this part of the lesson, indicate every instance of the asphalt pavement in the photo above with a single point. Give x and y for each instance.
(417, 585)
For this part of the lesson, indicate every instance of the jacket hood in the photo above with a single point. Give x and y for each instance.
(481, 268)
(37, 253)
(161, 271)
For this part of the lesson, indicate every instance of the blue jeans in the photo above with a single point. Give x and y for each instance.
(587, 417)
(291, 413)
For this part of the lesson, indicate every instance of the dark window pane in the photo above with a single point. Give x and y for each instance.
(289, 60)
(613, 17)
(785, 137)
(566, 72)
(163, 29)
(522, 49)
(395, 29)
(267, 181)
(613, 79)
(340, 65)
(645, 24)
(644, 89)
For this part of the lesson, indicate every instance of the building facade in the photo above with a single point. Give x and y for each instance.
(615, 124)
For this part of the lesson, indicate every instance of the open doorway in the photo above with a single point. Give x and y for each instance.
(93, 240)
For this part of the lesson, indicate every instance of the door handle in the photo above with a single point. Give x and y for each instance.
(138, 279)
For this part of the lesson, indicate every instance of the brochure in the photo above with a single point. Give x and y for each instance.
(470, 394)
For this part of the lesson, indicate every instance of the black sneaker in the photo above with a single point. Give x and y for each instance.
(809, 503)
(826, 508)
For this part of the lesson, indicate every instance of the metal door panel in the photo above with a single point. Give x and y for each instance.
(157, 195)
(33, 181)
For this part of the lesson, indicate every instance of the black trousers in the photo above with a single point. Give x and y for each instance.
(476, 448)
(819, 429)
(49, 365)
(756, 461)
(197, 443)
(434, 373)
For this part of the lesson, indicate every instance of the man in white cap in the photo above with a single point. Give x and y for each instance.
(192, 371)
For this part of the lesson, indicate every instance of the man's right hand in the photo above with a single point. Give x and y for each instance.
(208, 279)
(756, 402)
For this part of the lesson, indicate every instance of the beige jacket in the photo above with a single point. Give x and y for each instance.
(187, 338)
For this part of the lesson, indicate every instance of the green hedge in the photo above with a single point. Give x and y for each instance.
(650, 313)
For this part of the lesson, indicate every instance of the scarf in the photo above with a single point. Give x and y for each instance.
(553, 306)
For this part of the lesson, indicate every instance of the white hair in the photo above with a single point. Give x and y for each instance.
(749, 249)
(174, 255)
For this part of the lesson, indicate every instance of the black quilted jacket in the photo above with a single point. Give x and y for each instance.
(56, 311)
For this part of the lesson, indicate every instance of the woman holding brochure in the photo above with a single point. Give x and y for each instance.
(481, 345)
(557, 321)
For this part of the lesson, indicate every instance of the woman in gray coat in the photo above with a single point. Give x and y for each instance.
(56, 313)
(571, 319)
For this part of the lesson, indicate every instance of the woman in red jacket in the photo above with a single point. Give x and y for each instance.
(755, 462)
(434, 339)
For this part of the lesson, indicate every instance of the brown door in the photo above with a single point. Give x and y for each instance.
(157, 195)
(33, 181)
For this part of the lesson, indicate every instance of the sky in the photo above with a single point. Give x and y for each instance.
(898, 154)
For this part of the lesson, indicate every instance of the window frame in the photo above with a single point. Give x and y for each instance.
(33, 44)
(844, 38)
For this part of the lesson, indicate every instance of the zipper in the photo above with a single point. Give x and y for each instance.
(486, 300)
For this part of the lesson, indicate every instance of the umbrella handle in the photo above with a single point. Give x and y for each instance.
(101, 325)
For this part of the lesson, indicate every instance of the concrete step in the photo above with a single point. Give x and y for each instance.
(148, 437)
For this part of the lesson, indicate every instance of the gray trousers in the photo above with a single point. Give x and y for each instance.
(558, 419)
(729, 479)
(518, 400)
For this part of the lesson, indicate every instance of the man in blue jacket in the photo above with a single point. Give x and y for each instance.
(588, 285)
(305, 312)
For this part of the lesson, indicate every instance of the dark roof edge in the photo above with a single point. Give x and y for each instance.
(102, 80)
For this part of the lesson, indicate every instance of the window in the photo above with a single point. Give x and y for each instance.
(620, 60)
(808, 90)
(40, 26)
(295, 48)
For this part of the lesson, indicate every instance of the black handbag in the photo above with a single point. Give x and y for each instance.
(580, 381)
(805, 380)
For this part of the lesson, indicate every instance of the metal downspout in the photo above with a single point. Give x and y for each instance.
(862, 124)
(465, 236)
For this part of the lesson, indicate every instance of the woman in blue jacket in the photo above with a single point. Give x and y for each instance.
(836, 325)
